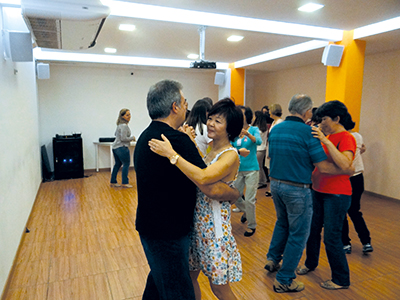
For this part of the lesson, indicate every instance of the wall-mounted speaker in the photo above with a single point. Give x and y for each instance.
(18, 46)
(219, 78)
(332, 55)
(43, 71)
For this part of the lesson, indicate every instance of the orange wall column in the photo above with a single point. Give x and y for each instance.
(237, 84)
(344, 83)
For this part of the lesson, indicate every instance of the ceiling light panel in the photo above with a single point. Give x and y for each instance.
(310, 7)
(376, 28)
(45, 55)
(127, 27)
(193, 56)
(235, 38)
(110, 50)
(151, 12)
(10, 2)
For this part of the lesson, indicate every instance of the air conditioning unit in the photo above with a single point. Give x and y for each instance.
(70, 24)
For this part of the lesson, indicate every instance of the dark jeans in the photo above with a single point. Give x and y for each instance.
(169, 277)
(329, 211)
(122, 158)
(357, 184)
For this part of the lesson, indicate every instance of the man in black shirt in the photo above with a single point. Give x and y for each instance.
(166, 197)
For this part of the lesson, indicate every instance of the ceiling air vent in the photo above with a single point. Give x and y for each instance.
(70, 25)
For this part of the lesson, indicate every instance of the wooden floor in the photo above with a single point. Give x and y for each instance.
(83, 245)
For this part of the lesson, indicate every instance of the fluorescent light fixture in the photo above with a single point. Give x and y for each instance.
(127, 27)
(291, 50)
(235, 38)
(50, 55)
(310, 7)
(10, 2)
(376, 28)
(106, 2)
(110, 50)
(152, 12)
(193, 56)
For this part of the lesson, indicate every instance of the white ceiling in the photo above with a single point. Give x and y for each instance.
(160, 39)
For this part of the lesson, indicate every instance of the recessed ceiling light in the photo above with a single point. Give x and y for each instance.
(127, 27)
(110, 50)
(310, 7)
(193, 56)
(235, 38)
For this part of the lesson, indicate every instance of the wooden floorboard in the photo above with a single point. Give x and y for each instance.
(83, 244)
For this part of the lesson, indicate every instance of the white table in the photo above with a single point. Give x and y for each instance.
(109, 144)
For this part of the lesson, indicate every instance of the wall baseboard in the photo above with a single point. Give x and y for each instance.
(381, 196)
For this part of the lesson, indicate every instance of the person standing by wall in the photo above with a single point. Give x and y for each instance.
(120, 149)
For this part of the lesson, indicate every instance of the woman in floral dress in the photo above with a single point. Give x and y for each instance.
(213, 249)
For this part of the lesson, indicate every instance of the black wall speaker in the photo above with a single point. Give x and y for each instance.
(68, 157)
(332, 55)
(18, 46)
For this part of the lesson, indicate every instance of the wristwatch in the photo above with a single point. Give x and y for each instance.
(174, 159)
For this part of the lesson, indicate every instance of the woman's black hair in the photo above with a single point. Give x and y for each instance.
(198, 114)
(314, 117)
(260, 121)
(232, 114)
(248, 113)
(334, 109)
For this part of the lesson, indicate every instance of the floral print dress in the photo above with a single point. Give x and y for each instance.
(213, 248)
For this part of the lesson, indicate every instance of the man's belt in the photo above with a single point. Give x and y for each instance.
(301, 185)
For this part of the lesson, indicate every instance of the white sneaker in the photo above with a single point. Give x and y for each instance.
(236, 210)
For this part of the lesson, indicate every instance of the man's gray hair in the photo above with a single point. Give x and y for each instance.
(299, 104)
(161, 97)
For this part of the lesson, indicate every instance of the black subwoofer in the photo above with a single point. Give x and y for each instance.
(68, 157)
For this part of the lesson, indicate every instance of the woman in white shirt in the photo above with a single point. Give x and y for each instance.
(198, 120)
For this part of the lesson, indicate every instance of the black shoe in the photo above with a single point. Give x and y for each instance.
(347, 249)
(243, 219)
(367, 248)
(268, 194)
(262, 186)
(250, 233)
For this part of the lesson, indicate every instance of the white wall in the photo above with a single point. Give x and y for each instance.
(380, 123)
(20, 175)
(380, 106)
(279, 87)
(88, 98)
